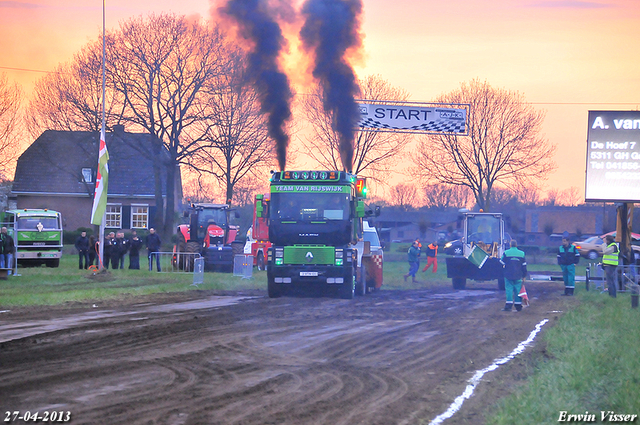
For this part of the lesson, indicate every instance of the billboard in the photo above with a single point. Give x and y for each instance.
(406, 117)
(613, 156)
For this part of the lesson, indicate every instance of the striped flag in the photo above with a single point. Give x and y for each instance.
(102, 183)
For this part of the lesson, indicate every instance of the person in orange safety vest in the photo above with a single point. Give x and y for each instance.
(432, 257)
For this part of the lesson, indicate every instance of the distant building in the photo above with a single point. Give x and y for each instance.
(545, 225)
(58, 172)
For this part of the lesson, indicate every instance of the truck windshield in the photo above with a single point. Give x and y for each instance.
(31, 223)
(483, 228)
(309, 206)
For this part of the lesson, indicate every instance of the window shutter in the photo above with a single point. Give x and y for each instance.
(126, 216)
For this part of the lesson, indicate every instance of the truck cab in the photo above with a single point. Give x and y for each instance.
(315, 221)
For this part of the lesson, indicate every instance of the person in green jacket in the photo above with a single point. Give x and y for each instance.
(414, 263)
(515, 270)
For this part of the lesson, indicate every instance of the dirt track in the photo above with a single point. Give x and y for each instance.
(393, 357)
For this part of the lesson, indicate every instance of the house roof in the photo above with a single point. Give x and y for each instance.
(53, 164)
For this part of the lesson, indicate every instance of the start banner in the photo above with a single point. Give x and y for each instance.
(413, 117)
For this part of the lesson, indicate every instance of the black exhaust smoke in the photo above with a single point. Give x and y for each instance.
(257, 24)
(330, 32)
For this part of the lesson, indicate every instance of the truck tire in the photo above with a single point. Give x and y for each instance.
(501, 283)
(53, 263)
(348, 290)
(361, 286)
(260, 261)
(459, 282)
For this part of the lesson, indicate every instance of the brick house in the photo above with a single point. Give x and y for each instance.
(58, 172)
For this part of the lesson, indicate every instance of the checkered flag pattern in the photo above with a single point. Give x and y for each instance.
(437, 126)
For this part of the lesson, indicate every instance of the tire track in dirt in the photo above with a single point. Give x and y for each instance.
(391, 357)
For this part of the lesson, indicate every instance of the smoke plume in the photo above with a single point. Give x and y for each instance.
(257, 24)
(330, 31)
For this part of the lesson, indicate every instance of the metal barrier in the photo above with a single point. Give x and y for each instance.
(243, 266)
(198, 271)
(170, 262)
(595, 273)
(625, 277)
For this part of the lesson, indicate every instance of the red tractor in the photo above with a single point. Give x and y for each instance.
(210, 234)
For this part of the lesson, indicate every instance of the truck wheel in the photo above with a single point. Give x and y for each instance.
(459, 282)
(260, 261)
(501, 283)
(347, 291)
(361, 286)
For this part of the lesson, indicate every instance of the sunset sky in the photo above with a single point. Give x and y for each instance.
(566, 57)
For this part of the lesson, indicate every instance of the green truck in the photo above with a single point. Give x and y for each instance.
(315, 223)
(37, 234)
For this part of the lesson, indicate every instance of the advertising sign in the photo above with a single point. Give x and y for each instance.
(613, 156)
(413, 117)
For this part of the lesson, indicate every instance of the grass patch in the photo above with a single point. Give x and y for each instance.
(68, 284)
(592, 366)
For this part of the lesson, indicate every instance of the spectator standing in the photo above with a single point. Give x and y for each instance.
(135, 243)
(568, 257)
(610, 260)
(82, 245)
(153, 245)
(108, 245)
(413, 255)
(7, 248)
(432, 257)
(124, 248)
(515, 270)
(93, 252)
(117, 251)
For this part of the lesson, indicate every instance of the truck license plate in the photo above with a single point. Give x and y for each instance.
(308, 273)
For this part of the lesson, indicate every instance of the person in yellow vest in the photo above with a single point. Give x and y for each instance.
(610, 263)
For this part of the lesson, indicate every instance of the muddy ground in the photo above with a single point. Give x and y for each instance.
(392, 357)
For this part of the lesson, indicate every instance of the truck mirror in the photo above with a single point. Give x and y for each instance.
(259, 208)
(236, 214)
(377, 211)
(185, 213)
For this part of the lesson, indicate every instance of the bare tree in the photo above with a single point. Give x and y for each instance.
(553, 198)
(238, 144)
(404, 196)
(10, 131)
(163, 67)
(528, 194)
(70, 97)
(503, 146)
(442, 196)
(375, 153)
(571, 197)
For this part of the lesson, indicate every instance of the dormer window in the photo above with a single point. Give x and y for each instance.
(87, 175)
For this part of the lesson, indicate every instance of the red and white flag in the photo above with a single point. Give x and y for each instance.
(102, 183)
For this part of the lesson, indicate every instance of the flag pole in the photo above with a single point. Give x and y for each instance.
(102, 132)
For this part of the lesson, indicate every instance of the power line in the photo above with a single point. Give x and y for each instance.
(27, 70)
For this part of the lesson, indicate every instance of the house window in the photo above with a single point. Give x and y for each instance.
(87, 175)
(114, 216)
(139, 216)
